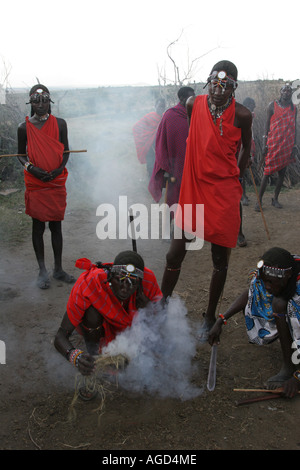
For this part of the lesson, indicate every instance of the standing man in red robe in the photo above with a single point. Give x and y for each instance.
(280, 143)
(144, 134)
(45, 138)
(170, 149)
(211, 177)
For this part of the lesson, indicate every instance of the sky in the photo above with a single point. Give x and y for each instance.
(91, 43)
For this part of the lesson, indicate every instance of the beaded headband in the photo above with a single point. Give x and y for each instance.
(221, 79)
(271, 271)
(38, 95)
(128, 270)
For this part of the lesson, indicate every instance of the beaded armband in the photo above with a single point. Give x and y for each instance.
(297, 375)
(28, 165)
(74, 356)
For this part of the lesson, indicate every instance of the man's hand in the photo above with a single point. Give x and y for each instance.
(215, 332)
(39, 173)
(86, 364)
(291, 387)
(55, 173)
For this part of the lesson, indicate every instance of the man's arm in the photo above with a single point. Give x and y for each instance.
(63, 138)
(244, 121)
(237, 306)
(270, 113)
(189, 107)
(84, 361)
(22, 142)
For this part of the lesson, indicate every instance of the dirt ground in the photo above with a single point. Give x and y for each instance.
(37, 384)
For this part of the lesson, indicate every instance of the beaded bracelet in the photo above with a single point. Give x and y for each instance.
(223, 318)
(28, 165)
(297, 375)
(74, 356)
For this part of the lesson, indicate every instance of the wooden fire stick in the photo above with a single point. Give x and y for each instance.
(276, 390)
(276, 393)
(271, 396)
(26, 154)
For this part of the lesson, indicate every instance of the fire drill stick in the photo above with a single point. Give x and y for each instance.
(26, 154)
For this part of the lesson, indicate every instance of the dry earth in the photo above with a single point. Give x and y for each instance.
(37, 384)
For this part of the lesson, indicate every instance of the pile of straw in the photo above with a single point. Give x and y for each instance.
(97, 384)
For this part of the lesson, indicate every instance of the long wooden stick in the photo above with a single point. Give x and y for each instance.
(276, 390)
(258, 200)
(265, 397)
(26, 154)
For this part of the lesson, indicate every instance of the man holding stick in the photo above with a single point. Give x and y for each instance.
(211, 177)
(44, 138)
(271, 307)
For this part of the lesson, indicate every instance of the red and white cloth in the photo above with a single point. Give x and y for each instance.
(281, 139)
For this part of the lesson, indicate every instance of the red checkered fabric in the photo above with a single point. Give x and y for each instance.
(281, 139)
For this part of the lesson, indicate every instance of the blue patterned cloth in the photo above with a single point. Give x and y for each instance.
(259, 318)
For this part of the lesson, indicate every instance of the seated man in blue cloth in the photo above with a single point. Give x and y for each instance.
(272, 310)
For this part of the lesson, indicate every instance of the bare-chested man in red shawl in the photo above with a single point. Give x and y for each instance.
(45, 138)
(211, 177)
(170, 149)
(280, 146)
(102, 304)
(144, 134)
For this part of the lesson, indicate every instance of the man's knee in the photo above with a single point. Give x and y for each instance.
(92, 319)
(38, 227)
(219, 257)
(55, 227)
(176, 254)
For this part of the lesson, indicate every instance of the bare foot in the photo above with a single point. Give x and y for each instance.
(206, 326)
(277, 380)
(276, 204)
(43, 281)
(257, 207)
(64, 277)
(242, 240)
(245, 201)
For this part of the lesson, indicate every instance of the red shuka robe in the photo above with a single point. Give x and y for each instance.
(211, 176)
(144, 132)
(170, 153)
(45, 201)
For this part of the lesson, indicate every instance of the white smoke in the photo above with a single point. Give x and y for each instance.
(160, 348)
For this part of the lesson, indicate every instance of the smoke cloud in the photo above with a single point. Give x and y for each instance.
(160, 348)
